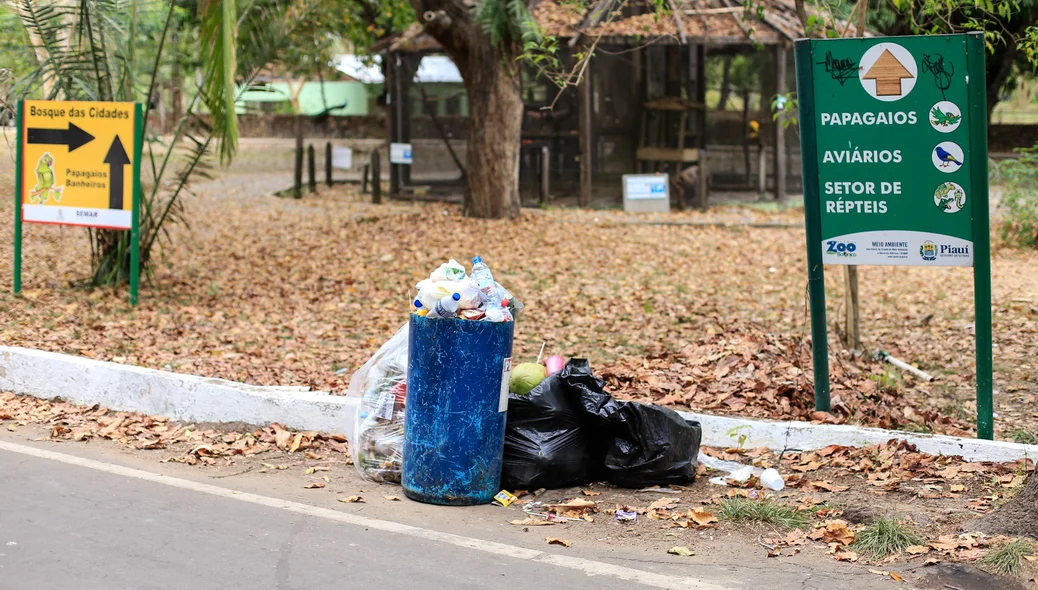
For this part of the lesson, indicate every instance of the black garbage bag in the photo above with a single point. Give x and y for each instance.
(544, 444)
(570, 431)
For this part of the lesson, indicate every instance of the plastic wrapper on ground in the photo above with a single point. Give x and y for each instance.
(381, 386)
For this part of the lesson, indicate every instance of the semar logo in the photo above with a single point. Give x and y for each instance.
(928, 251)
(845, 249)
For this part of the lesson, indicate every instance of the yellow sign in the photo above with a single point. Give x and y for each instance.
(77, 163)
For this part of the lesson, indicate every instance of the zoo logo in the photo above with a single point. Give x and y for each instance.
(840, 248)
(928, 251)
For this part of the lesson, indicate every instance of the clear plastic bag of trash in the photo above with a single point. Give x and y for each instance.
(378, 434)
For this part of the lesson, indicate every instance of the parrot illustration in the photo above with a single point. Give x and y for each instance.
(946, 158)
(939, 117)
(45, 188)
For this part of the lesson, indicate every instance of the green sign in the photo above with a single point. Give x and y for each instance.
(894, 151)
(892, 137)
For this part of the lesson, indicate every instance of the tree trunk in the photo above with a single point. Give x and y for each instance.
(495, 126)
(997, 73)
(726, 84)
(491, 77)
(851, 324)
(1019, 516)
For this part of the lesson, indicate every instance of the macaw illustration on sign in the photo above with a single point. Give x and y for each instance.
(45, 188)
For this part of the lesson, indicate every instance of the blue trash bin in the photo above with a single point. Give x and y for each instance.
(457, 400)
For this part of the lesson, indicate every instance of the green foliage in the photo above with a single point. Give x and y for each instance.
(766, 511)
(1018, 226)
(1006, 559)
(884, 537)
(507, 22)
(16, 57)
(118, 50)
(1023, 437)
(218, 33)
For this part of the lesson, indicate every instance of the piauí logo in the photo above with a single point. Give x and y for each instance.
(928, 251)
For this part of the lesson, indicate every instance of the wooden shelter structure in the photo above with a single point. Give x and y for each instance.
(641, 105)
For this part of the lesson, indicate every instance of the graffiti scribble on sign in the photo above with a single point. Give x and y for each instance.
(942, 71)
(840, 69)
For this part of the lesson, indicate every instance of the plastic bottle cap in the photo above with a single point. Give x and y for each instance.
(476, 260)
(456, 297)
(417, 303)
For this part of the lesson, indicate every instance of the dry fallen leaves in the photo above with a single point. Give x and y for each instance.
(392, 498)
(702, 517)
(557, 541)
(681, 550)
(532, 521)
(576, 508)
(314, 485)
(837, 531)
(351, 499)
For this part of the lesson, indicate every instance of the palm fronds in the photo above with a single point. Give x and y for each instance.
(218, 20)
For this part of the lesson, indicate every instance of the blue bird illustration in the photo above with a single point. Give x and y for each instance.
(946, 158)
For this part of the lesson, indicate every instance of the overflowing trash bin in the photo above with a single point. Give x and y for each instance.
(457, 374)
(444, 411)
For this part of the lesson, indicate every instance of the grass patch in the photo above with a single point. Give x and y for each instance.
(1006, 559)
(1024, 437)
(764, 511)
(886, 536)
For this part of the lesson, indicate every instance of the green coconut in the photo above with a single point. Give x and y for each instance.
(526, 376)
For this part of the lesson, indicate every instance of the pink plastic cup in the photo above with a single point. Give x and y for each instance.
(555, 364)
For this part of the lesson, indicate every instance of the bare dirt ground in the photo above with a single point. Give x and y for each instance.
(706, 312)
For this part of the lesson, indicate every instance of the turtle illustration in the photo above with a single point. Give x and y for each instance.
(939, 117)
(45, 188)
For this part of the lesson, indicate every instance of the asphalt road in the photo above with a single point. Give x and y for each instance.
(91, 517)
(64, 526)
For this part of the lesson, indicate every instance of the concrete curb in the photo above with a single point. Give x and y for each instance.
(191, 398)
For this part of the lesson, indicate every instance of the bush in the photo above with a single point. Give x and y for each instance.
(1019, 204)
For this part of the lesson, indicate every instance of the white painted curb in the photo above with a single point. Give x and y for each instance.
(191, 398)
(725, 431)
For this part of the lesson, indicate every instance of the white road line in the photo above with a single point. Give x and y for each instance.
(588, 566)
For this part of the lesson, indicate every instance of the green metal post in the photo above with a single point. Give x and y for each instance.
(981, 233)
(135, 228)
(18, 204)
(813, 221)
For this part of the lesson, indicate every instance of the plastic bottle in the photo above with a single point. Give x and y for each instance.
(447, 307)
(482, 275)
(485, 282)
(420, 309)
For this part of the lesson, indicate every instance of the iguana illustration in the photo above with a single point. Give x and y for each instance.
(939, 117)
(45, 188)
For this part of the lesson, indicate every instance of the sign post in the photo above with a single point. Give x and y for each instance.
(894, 150)
(71, 170)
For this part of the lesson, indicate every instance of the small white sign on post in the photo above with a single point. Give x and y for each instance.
(646, 193)
(400, 153)
(342, 158)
